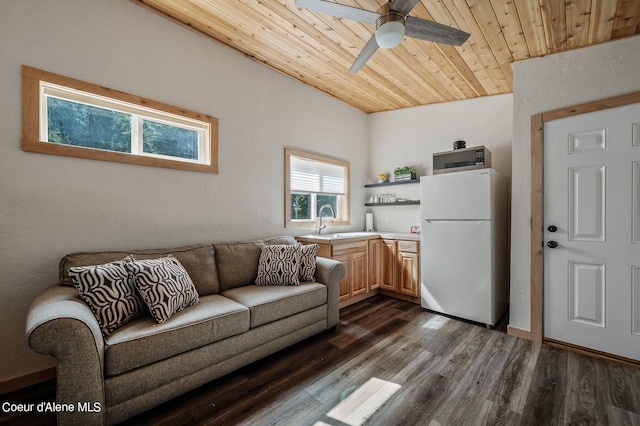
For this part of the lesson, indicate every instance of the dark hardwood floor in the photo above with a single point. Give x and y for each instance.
(450, 372)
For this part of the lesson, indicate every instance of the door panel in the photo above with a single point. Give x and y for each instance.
(636, 202)
(587, 293)
(388, 265)
(590, 141)
(635, 300)
(587, 195)
(359, 279)
(345, 282)
(409, 273)
(592, 197)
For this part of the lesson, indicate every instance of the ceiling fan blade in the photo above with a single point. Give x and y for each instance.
(340, 10)
(403, 6)
(433, 31)
(367, 52)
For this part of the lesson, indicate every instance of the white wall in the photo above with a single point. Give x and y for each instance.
(50, 205)
(410, 136)
(545, 84)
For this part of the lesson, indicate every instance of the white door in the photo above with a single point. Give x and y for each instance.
(592, 257)
(456, 268)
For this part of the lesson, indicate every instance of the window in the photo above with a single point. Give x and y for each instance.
(313, 181)
(64, 116)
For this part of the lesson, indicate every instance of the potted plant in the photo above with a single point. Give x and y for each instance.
(404, 173)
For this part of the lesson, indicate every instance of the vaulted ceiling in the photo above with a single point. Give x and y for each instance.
(318, 49)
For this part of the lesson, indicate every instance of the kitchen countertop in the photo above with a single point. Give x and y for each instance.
(338, 237)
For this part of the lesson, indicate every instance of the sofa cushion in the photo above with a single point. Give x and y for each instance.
(109, 292)
(144, 341)
(198, 260)
(279, 265)
(271, 303)
(281, 240)
(164, 284)
(237, 263)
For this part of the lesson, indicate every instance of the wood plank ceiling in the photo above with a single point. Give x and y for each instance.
(318, 49)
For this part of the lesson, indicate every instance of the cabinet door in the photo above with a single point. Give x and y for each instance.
(388, 265)
(345, 282)
(359, 273)
(408, 273)
(374, 268)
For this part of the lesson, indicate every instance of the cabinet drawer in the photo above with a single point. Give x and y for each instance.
(409, 246)
(349, 247)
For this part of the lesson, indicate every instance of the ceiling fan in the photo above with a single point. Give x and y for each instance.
(392, 24)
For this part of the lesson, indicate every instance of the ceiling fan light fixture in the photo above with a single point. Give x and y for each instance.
(390, 30)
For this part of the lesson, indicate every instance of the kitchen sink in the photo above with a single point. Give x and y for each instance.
(340, 235)
(354, 234)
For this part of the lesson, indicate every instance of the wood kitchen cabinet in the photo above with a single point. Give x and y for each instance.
(374, 260)
(353, 254)
(374, 265)
(401, 268)
(388, 265)
(345, 282)
(408, 264)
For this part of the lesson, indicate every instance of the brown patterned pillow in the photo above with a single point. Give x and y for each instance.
(165, 286)
(308, 262)
(279, 265)
(109, 292)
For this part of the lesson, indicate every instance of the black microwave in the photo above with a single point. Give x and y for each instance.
(478, 157)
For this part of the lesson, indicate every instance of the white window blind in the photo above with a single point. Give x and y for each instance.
(316, 176)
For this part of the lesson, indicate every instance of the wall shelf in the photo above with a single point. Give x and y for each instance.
(397, 203)
(401, 182)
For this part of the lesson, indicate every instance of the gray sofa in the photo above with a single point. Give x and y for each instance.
(143, 364)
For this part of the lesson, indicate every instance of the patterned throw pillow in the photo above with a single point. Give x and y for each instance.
(279, 265)
(109, 292)
(165, 286)
(308, 262)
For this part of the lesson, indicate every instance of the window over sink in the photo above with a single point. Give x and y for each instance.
(312, 181)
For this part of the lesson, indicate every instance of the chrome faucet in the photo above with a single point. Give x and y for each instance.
(323, 226)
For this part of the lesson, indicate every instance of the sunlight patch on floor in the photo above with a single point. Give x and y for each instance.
(363, 402)
(435, 322)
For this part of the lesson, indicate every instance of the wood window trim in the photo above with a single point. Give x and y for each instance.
(536, 285)
(344, 200)
(31, 142)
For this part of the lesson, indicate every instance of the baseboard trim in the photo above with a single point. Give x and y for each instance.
(395, 295)
(518, 332)
(355, 299)
(27, 380)
(591, 352)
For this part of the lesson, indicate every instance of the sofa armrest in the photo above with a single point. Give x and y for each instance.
(61, 325)
(329, 272)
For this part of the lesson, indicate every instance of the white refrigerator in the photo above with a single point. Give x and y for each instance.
(464, 257)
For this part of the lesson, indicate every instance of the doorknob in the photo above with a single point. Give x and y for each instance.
(552, 244)
(552, 228)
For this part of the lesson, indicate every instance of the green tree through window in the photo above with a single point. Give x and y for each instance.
(322, 199)
(169, 140)
(73, 118)
(300, 206)
(78, 124)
